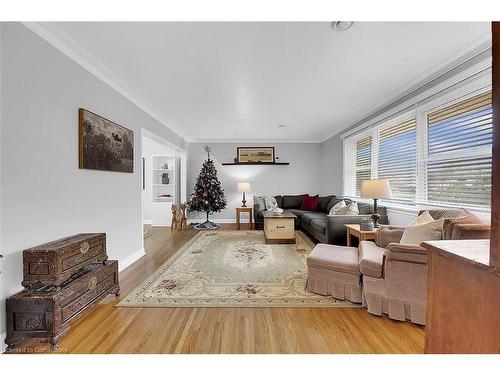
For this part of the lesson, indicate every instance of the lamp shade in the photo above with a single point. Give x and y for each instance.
(243, 187)
(376, 189)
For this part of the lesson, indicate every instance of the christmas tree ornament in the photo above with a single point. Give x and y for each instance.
(208, 195)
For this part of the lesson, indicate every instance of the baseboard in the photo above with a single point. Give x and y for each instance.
(3, 346)
(130, 259)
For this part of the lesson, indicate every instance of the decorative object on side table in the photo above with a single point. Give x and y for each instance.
(208, 195)
(64, 279)
(376, 189)
(104, 145)
(366, 224)
(243, 187)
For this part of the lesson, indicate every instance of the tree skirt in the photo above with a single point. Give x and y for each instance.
(231, 268)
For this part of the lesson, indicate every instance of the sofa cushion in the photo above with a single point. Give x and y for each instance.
(259, 202)
(323, 202)
(332, 202)
(364, 208)
(308, 216)
(367, 208)
(293, 201)
(297, 212)
(335, 258)
(279, 200)
(319, 225)
(310, 203)
(371, 259)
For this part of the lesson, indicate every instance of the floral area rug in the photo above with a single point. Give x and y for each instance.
(147, 232)
(228, 268)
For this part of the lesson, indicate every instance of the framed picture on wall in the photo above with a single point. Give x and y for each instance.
(255, 155)
(104, 145)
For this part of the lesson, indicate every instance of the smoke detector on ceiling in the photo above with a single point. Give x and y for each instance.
(342, 25)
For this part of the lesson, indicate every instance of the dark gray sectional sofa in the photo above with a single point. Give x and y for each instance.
(323, 227)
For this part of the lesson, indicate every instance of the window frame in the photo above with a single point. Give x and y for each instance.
(456, 92)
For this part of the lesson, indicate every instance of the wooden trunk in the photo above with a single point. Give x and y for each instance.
(55, 262)
(47, 312)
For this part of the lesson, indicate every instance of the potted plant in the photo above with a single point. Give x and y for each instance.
(165, 180)
(366, 223)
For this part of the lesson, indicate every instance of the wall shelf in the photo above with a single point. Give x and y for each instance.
(253, 163)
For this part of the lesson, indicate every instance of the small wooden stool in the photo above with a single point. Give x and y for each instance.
(239, 210)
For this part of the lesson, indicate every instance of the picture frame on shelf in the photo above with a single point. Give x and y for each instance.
(255, 155)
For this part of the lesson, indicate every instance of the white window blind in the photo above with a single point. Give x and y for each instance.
(397, 158)
(437, 154)
(363, 161)
(459, 153)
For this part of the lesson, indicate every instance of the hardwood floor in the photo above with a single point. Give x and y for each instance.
(226, 330)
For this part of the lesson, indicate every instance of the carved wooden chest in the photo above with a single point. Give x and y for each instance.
(55, 262)
(47, 312)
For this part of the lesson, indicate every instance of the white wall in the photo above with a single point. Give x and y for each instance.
(301, 176)
(44, 195)
(331, 166)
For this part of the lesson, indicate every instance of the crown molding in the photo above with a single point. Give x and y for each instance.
(64, 43)
(250, 140)
(461, 56)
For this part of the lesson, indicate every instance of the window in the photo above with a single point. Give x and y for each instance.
(459, 153)
(397, 158)
(437, 154)
(363, 162)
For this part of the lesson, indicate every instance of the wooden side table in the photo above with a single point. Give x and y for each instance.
(362, 235)
(239, 210)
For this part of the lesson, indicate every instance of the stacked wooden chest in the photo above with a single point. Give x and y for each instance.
(63, 280)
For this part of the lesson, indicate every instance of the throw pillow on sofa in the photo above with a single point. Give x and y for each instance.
(335, 210)
(270, 202)
(310, 203)
(351, 209)
(415, 233)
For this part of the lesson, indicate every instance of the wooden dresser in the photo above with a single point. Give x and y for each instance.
(463, 298)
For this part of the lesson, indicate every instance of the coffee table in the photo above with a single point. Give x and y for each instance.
(279, 229)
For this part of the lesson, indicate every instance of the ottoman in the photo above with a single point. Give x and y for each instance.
(334, 271)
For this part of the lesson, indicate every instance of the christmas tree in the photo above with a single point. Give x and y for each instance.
(207, 195)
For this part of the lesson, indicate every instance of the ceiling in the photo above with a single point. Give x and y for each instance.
(224, 81)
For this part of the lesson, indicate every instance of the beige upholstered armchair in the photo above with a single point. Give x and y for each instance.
(395, 275)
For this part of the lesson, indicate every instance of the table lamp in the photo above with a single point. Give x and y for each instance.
(243, 187)
(376, 189)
